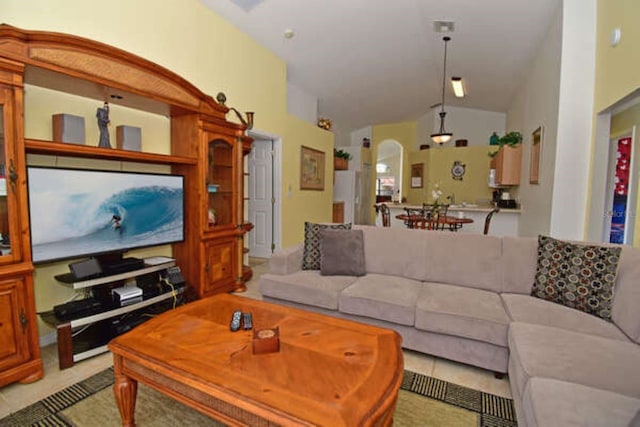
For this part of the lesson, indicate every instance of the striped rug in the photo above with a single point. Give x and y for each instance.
(422, 401)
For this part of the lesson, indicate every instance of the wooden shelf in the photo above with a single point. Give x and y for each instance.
(37, 146)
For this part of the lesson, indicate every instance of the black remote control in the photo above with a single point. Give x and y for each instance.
(247, 320)
(235, 321)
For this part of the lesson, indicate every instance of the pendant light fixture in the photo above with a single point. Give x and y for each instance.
(443, 136)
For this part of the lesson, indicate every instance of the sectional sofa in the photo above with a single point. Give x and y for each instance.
(467, 298)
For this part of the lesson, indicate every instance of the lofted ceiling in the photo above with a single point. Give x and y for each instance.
(380, 61)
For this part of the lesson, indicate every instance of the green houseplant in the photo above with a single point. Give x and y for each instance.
(341, 159)
(510, 139)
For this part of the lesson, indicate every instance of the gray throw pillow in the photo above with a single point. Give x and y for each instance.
(311, 251)
(342, 253)
(580, 276)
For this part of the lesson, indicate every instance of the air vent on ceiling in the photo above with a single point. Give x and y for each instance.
(443, 26)
(246, 5)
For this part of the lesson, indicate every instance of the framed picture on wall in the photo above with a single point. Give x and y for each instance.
(536, 152)
(311, 169)
(417, 175)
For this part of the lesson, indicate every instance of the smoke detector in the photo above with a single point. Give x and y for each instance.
(443, 26)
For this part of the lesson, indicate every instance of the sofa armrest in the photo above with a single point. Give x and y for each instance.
(286, 261)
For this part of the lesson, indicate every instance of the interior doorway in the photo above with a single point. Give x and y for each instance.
(622, 190)
(389, 171)
(263, 195)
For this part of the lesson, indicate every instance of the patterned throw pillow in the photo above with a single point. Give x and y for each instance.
(579, 276)
(311, 252)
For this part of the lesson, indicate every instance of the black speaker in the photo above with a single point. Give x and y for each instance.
(85, 269)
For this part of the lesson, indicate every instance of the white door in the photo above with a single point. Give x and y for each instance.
(261, 200)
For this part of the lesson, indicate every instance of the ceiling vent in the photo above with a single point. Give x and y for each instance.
(246, 5)
(443, 26)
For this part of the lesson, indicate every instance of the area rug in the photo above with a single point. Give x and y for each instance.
(422, 401)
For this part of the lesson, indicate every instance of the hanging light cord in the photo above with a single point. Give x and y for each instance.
(444, 71)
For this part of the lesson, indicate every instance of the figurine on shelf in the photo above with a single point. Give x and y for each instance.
(212, 217)
(103, 121)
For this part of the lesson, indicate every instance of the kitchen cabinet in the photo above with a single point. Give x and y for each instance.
(338, 212)
(508, 165)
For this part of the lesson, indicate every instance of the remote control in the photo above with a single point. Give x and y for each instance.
(235, 321)
(247, 320)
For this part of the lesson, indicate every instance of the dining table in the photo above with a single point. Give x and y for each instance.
(453, 223)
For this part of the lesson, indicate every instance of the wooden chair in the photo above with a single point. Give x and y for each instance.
(415, 217)
(434, 213)
(487, 220)
(386, 215)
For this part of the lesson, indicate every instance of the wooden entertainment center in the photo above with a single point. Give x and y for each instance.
(206, 149)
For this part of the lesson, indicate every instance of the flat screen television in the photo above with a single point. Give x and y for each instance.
(82, 213)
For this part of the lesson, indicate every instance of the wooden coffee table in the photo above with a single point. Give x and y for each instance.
(328, 371)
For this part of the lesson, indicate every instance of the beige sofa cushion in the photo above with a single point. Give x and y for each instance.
(626, 299)
(389, 298)
(519, 262)
(542, 351)
(527, 309)
(549, 402)
(460, 311)
(471, 260)
(394, 251)
(305, 287)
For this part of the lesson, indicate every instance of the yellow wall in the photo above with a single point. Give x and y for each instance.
(473, 185)
(617, 75)
(416, 196)
(617, 68)
(189, 39)
(437, 163)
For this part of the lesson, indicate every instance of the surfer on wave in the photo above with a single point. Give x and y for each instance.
(116, 221)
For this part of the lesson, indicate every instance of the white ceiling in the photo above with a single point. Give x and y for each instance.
(380, 61)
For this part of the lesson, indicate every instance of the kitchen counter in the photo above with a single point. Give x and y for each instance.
(503, 223)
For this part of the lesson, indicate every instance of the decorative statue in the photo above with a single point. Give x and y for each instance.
(103, 121)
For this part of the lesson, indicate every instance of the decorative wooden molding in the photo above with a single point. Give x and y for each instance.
(103, 64)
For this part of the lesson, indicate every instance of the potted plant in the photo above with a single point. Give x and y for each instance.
(341, 159)
(510, 139)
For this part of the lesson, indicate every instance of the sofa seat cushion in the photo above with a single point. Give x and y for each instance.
(389, 298)
(305, 287)
(461, 311)
(549, 402)
(543, 351)
(528, 309)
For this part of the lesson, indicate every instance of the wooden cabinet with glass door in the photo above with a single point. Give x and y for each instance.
(216, 212)
(220, 183)
(19, 348)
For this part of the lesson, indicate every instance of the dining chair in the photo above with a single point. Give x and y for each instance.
(386, 215)
(415, 217)
(436, 215)
(487, 220)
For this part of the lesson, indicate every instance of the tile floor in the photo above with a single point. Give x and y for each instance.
(16, 396)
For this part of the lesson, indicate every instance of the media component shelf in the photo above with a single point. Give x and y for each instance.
(67, 279)
(87, 336)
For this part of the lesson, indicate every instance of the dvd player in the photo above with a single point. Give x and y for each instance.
(122, 266)
(76, 309)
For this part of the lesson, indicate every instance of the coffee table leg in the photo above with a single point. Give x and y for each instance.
(125, 390)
